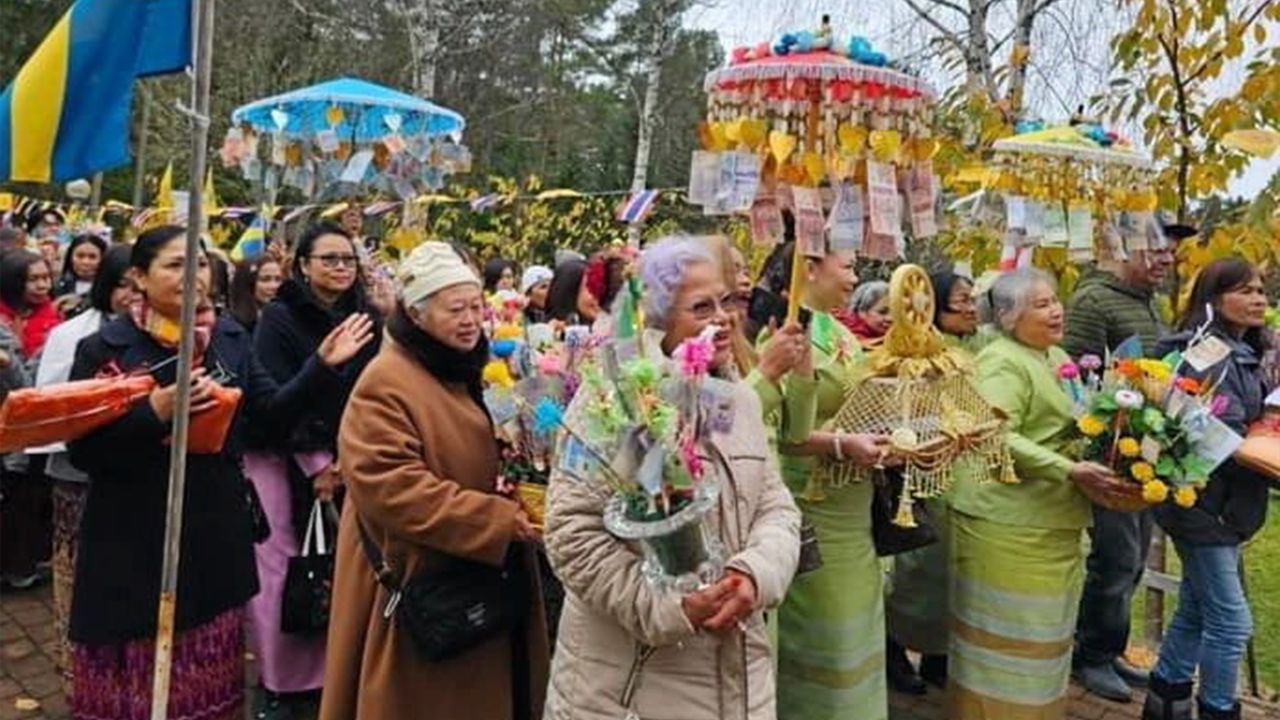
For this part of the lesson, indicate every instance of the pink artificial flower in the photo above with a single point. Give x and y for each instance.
(696, 354)
(1219, 405)
(689, 455)
(1090, 362)
(1068, 371)
(550, 363)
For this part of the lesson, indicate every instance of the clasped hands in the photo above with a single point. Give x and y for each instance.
(723, 606)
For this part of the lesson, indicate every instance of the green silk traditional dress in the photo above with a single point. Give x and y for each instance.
(1016, 550)
(831, 624)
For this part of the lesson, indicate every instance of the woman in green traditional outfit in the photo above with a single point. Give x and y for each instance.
(1016, 549)
(831, 624)
(916, 606)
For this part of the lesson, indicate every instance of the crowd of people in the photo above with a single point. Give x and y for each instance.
(363, 419)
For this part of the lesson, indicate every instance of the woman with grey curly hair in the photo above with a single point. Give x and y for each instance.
(625, 647)
(867, 315)
(1020, 542)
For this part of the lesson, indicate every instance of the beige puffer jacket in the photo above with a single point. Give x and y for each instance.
(616, 627)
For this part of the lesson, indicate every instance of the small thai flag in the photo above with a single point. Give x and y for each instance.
(484, 202)
(296, 213)
(637, 206)
(380, 207)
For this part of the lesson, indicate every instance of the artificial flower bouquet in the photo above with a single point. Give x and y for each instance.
(644, 429)
(529, 381)
(1152, 426)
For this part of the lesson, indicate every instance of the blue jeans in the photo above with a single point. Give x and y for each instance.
(1211, 626)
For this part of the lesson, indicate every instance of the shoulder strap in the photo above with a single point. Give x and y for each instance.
(386, 576)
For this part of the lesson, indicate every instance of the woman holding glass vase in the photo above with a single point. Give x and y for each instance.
(627, 646)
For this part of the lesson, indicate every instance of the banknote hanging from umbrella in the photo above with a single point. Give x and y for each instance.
(343, 138)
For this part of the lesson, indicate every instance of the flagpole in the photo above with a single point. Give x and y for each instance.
(198, 113)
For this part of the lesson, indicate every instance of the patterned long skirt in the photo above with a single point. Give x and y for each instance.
(113, 682)
(68, 505)
(831, 624)
(1014, 595)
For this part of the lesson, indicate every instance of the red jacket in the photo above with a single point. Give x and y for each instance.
(33, 329)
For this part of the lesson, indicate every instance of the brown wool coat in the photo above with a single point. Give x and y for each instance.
(419, 462)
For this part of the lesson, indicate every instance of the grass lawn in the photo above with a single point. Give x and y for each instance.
(1262, 564)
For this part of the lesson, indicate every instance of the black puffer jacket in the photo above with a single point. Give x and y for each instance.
(1233, 506)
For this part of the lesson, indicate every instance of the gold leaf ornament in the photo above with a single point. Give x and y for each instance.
(885, 144)
(781, 145)
(753, 133)
(814, 166)
(852, 137)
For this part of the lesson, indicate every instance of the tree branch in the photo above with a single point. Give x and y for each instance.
(1209, 60)
(949, 35)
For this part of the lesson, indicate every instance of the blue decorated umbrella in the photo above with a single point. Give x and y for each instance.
(364, 112)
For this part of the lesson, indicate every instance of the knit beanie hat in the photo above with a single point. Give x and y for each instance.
(533, 275)
(430, 268)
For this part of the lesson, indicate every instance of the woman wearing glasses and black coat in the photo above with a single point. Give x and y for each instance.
(295, 462)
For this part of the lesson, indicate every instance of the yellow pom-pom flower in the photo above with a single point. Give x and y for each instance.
(507, 331)
(1090, 425)
(1129, 447)
(1156, 369)
(496, 373)
(1185, 497)
(1142, 472)
(1155, 492)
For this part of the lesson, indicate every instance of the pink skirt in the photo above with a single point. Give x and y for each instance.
(113, 682)
(287, 663)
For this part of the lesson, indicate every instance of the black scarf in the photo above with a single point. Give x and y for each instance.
(439, 359)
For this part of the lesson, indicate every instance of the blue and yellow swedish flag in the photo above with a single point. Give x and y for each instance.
(66, 114)
(253, 241)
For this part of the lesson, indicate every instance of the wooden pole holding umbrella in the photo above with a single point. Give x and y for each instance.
(198, 112)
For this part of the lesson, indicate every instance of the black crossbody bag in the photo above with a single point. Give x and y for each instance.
(447, 612)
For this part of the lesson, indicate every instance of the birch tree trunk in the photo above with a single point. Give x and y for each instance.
(423, 21)
(666, 14)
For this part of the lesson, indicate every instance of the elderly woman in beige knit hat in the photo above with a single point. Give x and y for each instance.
(420, 462)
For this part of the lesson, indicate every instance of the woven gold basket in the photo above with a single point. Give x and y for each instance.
(918, 392)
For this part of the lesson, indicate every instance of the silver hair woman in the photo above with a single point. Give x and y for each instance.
(1021, 542)
(869, 317)
(1003, 304)
(700, 656)
(662, 269)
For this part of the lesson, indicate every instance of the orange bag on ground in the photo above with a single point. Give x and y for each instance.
(1261, 447)
(32, 417)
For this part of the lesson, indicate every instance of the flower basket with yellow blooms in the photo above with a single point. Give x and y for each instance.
(1138, 417)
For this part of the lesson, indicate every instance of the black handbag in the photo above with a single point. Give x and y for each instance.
(810, 552)
(447, 612)
(260, 526)
(889, 537)
(308, 581)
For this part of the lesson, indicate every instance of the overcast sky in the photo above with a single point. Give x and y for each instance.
(1075, 66)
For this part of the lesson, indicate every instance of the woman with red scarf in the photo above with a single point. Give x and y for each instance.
(28, 314)
(867, 315)
(26, 300)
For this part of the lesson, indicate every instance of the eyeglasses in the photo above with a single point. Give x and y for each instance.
(334, 261)
(961, 305)
(707, 308)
